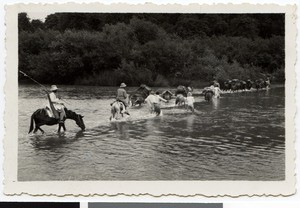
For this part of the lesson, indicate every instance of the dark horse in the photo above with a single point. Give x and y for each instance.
(40, 117)
(208, 94)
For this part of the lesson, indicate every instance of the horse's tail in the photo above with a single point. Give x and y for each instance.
(31, 123)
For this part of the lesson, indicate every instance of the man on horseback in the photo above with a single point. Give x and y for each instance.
(122, 96)
(57, 104)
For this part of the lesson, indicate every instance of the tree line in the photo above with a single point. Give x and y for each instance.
(152, 49)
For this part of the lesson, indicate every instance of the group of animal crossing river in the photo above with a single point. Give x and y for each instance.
(56, 112)
(237, 136)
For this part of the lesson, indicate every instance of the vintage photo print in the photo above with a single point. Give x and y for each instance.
(148, 99)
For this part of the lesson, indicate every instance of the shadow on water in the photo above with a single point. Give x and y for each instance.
(57, 140)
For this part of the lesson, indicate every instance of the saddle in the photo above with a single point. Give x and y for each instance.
(49, 112)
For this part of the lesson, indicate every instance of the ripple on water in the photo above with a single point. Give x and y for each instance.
(239, 137)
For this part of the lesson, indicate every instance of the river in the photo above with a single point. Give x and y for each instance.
(241, 136)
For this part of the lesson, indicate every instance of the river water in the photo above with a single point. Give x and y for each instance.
(241, 136)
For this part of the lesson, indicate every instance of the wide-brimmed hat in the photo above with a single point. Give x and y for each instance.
(53, 88)
(123, 85)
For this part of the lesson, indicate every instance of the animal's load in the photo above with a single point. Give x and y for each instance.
(181, 90)
(167, 95)
(207, 89)
(140, 94)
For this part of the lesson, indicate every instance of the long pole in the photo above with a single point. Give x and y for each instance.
(38, 84)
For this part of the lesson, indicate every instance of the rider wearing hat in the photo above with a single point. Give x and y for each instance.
(122, 95)
(57, 103)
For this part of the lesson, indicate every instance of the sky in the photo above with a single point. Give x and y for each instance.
(38, 15)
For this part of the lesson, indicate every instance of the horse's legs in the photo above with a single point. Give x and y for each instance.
(35, 129)
(39, 128)
(59, 127)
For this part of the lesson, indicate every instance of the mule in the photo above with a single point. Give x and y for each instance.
(208, 95)
(180, 100)
(117, 108)
(40, 117)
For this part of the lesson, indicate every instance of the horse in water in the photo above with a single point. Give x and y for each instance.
(208, 94)
(117, 108)
(180, 100)
(40, 117)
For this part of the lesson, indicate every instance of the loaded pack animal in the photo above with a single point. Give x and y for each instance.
(249, 84)
(261, 83)
(139, 96)
(227, 85)
(167, 95)
(41, 117)
(181, 94)
(235, 85)
(243, 85)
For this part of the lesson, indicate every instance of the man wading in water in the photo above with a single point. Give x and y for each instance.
(153, 102)
(57, 104)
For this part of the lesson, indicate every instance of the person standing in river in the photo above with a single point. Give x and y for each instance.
(122, 96)
(217, 91)
(153, 101)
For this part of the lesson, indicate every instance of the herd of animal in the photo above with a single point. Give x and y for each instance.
(138, 97)
(236, 84)
(40, 117)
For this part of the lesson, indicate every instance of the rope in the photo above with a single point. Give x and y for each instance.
(39, 84)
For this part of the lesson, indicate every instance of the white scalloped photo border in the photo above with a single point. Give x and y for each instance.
(139, 188)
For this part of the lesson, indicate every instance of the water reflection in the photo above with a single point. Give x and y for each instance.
(189, 122)
(216, 103)
(122, 129)
(47, 141)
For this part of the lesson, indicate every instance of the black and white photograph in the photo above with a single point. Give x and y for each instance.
(151, 96)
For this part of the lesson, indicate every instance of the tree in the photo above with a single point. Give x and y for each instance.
(37, 24)
(24, 22)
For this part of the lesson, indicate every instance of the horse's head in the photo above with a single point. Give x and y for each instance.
(76, 117)
(79, 122)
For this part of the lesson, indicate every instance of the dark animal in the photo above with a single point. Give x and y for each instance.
(40, 117)
(235, 84)
(259, 84)
(181, 90)
(137, 99)
(243, 85)
(140, 94)
(249, 84)
(208, 94)
(227, 85)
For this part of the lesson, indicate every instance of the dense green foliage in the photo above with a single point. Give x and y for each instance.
(155, 49)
